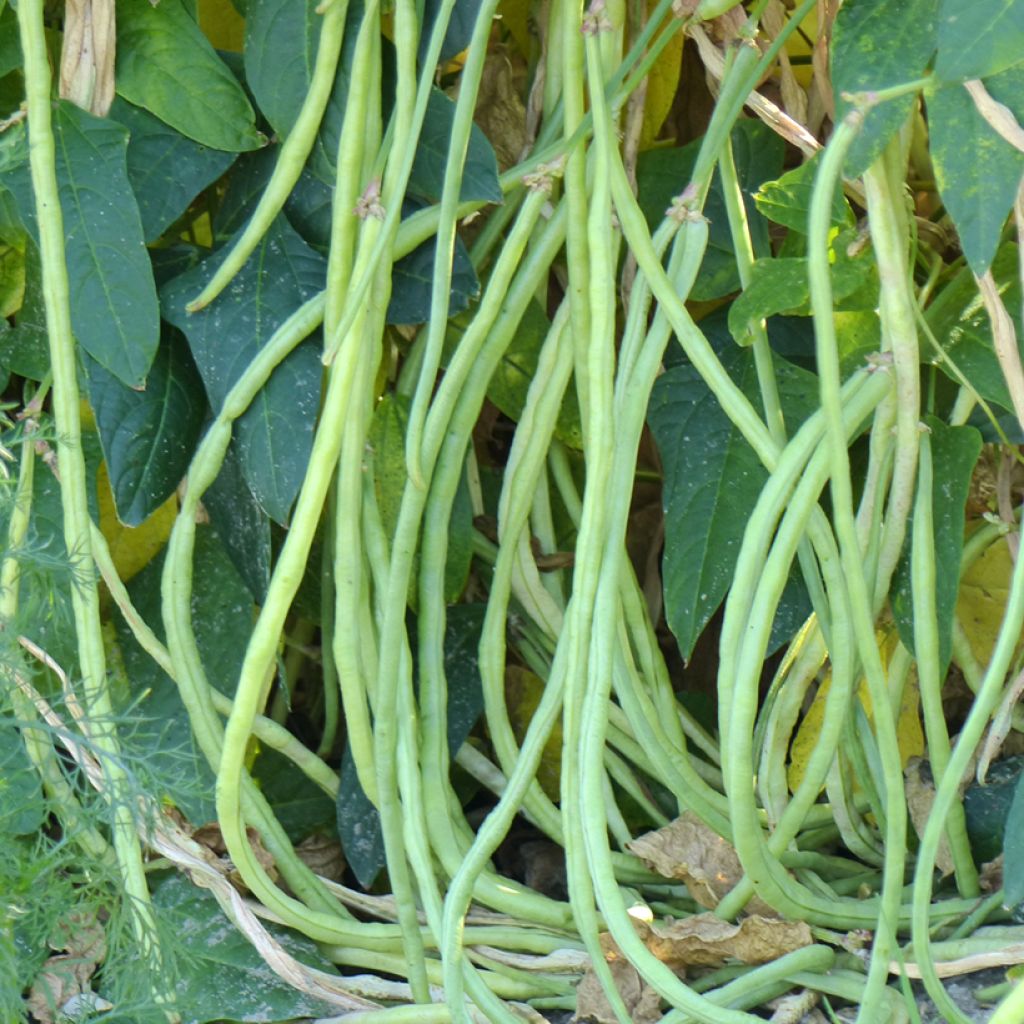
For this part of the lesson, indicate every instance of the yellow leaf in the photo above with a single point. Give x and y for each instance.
(662, 83)
(981, 603)
(523, 691)
(515, 16)
(222, 24)
(132, 548)
(909, 732)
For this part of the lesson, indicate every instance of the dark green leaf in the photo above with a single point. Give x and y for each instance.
(243, 527)
(877, 44)
(358, 821)
(712, 479)
(166, 169)
(986, 808)
(299, 806)
(412, 278)
(26, 349)
(663, 173)
(1013, 850)
(955, 452)
(281, 40)
(962, 327)
(978, 38)
(787, 200)
(275, 434)
(480, 172)
(228, 980)
(976, 170)
(460, 542)
(222, 616)
(10, 41)
(148, 436)
(114, 310)
(459, 31)
(516, 369)
(166, 65)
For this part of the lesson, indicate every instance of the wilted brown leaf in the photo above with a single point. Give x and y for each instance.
(523, 691)
(688, 850)
(209, 836)
(81, 943)
(920, 788)
(322, 855)
(641, 1000)
(500, 110)
(707, 941)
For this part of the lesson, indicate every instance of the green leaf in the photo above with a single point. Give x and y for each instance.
(149, 436)
(978, 38)
(13, 148)
(787, 200)
(412, 278)
(480, 171)
(114, 309)
(955, 452)
(976, 170)
(358, 820)
(779, 285)
(960, 324)
(25, 350)
(775, 286)
(166, 65)
(877, 44)
(460, 541)
(243, 527)
(386, 441)
(12, 272)
(516, 369)
(663, 173)
(1013, 850)
(228, 980)
(166, 170)
(222, 617)
(858, 335)
(712, 479)
(22, 802)
(275, 434)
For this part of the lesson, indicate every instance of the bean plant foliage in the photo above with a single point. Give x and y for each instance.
(510, 510)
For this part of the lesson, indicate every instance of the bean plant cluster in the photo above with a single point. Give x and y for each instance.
(859, 506)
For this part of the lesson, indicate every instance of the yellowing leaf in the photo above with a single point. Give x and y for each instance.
(981, 603)
(12, 274)
(908, 726)
(132, 548)
(662, 83)
(523, 691)
(515, 16)
(222, 24)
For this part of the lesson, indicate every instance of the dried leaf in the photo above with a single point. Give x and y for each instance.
(920, 788)
(209, 836)
(706, 941)
(322, 855)
(63, 980)
(500, 110)
(87, 55)
(688, 850)
(641, 1000)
